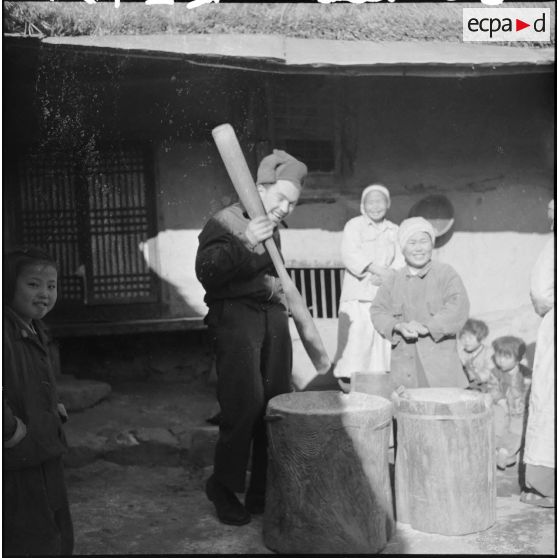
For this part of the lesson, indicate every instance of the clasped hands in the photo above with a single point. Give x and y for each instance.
(411, 330)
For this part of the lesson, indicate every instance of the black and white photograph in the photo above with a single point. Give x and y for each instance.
(279, 277)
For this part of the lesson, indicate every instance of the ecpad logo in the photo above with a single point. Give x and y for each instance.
(506, 24)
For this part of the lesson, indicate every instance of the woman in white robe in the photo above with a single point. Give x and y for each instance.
(370, 251)
(539, 455)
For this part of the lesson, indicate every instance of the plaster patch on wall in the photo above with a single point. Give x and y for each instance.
(176, 268)
(495, 266)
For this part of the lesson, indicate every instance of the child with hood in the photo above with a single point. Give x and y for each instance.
(370, 252)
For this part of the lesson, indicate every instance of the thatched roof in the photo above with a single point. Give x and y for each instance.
(367, 21)
(273, 53)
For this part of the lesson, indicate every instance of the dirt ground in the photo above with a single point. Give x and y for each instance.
(139, 460)
(148, 498)
(162, 510)
(150, 510)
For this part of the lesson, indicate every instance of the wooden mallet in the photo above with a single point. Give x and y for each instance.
(239, 173)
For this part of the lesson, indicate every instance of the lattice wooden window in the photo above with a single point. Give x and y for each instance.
(49, 215)
(93, 219)
(118, 224)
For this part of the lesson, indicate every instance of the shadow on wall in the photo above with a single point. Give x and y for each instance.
(122, 288)
(486, 198)
(180, 295)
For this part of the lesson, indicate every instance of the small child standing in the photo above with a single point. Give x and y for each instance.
(474, 354)
(509, 387)
(370, 252)
(35, 515)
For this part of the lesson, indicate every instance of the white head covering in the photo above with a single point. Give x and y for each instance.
(374, 188)
(414, 225)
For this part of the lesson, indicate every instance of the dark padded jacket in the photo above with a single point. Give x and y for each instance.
(228, 266)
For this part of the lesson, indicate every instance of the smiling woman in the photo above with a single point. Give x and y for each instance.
(369, 253)
(420, 309)
(418, 250)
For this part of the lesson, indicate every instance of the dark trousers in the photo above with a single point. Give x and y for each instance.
(36, 517)
(253, 361)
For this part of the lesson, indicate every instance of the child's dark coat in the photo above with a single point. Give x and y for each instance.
(35, 511)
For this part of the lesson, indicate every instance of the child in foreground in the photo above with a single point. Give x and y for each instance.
(35, 515)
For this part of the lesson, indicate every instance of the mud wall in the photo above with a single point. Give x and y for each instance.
(485, 143)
